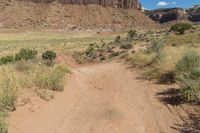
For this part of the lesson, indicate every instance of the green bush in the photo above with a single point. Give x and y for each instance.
(181, 27)
(25, 54)
(131, 34)
(6, 60)
(53, 80)
(90, 50)
(188, 73)
(117, 39)
(167, 78)
(49, 55)
(126, 45)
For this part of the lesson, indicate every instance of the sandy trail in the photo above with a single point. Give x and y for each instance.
(101, 98)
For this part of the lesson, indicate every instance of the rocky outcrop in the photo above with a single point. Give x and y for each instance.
(112, 3)
(166, 15)
(194, 13)
(173, 14)
(194, 17)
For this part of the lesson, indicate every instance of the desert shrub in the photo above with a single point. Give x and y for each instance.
(154, 69)
(188, 73)
(49, 55)
(3, 125)
(181, 27)
(8, 96)
(141, 59)
(53, 80)
(167, 78)
(22, 66)
(151, 73)
(63, 69)
(25, 54)
(159, 57)
(126, 45)
(120, 54)
(117, 39)
(102, 52)
(79, 57)
(6, 60)
(189, 63)
(156, 46)
(131, 34)
(114, 54)
(93, 53)
(90, 51)
(45, 94)
(150, 60)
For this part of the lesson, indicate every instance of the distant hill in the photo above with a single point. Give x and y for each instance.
(111, 3)
(59, 15)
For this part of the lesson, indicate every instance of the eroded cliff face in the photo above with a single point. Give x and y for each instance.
(171, 14)
(194, 13)
(166, 15)
(112, 3)
(194, 17)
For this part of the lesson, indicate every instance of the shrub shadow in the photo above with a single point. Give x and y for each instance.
(190, 124)
(170, 96)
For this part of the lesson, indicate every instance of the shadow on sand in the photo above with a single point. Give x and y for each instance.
(170, 96)
(190, 124)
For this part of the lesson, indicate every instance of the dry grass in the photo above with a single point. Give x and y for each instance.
(191, 38)
(41, 41)
(19, 76)
(175, 47)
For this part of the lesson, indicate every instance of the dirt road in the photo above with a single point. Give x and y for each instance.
(101, 98)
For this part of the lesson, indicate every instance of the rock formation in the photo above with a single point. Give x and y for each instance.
(194, 13)
(166, 15)
(171, 14)
(194, 17)
(112, 3)
(54, 14)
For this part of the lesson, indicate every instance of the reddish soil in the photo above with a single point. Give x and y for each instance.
(103, 98)
(67, 60)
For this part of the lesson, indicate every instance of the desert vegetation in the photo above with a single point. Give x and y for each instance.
(187, 70)
(100, 66)
(164, 57)
(173, 59)
(103, 51)
(181, 27)
(26, 71)
(161, 56)
(28, 65)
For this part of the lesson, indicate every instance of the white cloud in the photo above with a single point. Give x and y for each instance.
(163, 3)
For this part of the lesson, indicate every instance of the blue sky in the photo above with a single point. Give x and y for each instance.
(152, 4)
